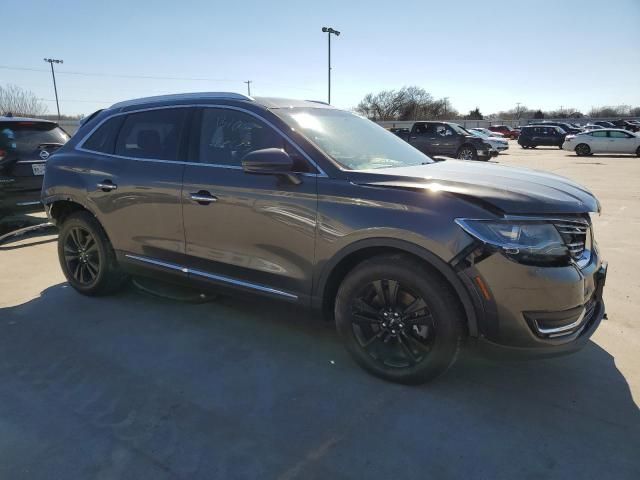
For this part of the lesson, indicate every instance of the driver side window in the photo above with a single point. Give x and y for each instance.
(226, 136)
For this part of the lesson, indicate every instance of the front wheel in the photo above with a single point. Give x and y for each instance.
(582, 149)
(467, 153)
(398, 320)
(87, 257)
(638, 152)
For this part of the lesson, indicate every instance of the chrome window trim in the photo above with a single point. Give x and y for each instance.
(211, 276)
(80, 145)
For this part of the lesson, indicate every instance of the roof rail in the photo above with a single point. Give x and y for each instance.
(183, 96)
(318, 101)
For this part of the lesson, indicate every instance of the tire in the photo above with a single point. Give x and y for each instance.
(467, 152)
(418, 342)
(582, 150)
(86, 256)
(512, 137)
(638, 152)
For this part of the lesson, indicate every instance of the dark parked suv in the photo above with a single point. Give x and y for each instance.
(305, 203)
(447, 139)
(25, 146)
(533, 136)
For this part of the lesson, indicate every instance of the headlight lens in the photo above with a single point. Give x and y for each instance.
(533, 243)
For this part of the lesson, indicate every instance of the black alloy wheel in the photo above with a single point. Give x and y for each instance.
(392, 324)
(398, 319)
(87, 257)
(81, 255)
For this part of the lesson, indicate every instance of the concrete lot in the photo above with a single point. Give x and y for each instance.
(134, 386)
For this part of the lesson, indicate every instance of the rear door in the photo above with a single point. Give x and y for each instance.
(135, 182)
(246, 230)
(422, 137)
(622, 142)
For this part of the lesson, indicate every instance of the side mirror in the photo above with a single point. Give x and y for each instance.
(270, 161)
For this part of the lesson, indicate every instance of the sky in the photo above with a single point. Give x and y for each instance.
(544, 54)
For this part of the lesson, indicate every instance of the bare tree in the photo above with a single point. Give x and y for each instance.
(408, 103)
(20, 102)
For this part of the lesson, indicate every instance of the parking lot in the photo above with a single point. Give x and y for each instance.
(135, 386)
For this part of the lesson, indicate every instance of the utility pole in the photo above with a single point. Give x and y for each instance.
(248, 82)
(446, 101)
(51, 61)
(518, 110)
(329, 31)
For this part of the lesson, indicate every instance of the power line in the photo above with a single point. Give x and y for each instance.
(145, 77)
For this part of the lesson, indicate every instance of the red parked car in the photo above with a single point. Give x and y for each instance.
(508, 132)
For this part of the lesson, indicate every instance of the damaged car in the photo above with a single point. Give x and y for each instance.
(308, 204)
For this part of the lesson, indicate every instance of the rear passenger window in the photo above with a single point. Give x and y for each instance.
(153, 134)
(226, 136)
(104, 138)
(615, 134)
(599, 134)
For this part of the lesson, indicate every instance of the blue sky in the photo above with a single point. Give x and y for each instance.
(477, 53)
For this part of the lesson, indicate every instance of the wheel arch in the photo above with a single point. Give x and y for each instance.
(346, 259)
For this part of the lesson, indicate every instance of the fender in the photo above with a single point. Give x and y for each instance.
(430, 258)
(49, 201)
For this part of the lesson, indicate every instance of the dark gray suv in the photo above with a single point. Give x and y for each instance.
(309, 204)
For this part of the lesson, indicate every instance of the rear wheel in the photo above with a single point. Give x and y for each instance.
(467, 152)
(638, 152)
(582, 149)
(398, 320)
(86, 256)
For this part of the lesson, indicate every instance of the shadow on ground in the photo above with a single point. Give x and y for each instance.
(133, 386)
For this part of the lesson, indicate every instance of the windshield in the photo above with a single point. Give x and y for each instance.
(355, 143)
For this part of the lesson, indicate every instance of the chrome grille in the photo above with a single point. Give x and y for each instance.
(574, 233)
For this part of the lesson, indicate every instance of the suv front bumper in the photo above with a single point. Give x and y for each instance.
(539, 311)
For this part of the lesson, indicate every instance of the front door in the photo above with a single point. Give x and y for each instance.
(136, 182)
(248, 230)
(599, 141)
(447, 140)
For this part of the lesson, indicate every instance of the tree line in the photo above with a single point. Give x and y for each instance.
(415, 103)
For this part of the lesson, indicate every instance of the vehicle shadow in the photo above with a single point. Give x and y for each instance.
(18, 228)
(601, 155)
(137, 386)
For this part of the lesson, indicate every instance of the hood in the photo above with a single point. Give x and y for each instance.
(509, 190)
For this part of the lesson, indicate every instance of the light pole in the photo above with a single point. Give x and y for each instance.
(248, 82)
(51, 61)
(329, 31)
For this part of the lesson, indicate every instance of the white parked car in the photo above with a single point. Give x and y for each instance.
(607, 140)
(497, 144)
(487, 132)
(590, 126)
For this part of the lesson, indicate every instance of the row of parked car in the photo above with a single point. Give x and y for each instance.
(452, 140)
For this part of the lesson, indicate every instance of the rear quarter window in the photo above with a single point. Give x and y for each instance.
(103, 140)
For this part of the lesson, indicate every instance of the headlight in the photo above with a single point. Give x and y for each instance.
(528, 242)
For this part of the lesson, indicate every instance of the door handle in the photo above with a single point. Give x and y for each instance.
(203, 197)
(106, 185)
(413, 138)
